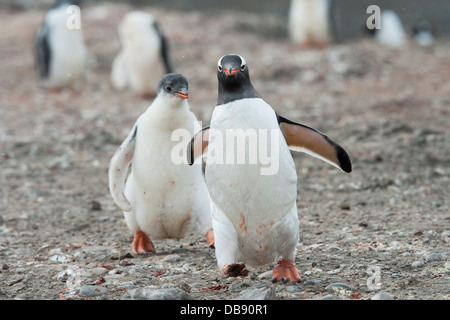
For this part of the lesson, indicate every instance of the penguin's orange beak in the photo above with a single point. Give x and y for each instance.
(230, 71)
(181, 94)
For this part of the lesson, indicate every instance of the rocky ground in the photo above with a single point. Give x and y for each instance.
(382, 232)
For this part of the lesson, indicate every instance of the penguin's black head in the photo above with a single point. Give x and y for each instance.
(234, 79)
(173, 85)
(232, 70)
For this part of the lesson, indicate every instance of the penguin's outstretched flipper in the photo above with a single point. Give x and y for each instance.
(198, 145)
(118, 170)
(302, 138)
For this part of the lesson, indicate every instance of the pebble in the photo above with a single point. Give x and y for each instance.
(257, 294)
(446, 236)
(407, 254)
(97, 250)
(433, 257)
(4, 232)
(127, 286)
(294, 288)
(265, 275)
(313, 270)
(332, 287)
(80, 255)
(329, 297)
(59, 258)
(55, 251)
(63, 275)
(237, 286)
(426, 272)
(418, 264)
(171, 258)
(313, 282)
(95, 205)
(157, 294)
(394, 245)
(92, 291)
(382, 296)
(59, 163)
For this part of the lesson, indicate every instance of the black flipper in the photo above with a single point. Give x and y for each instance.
(197, 145)
(42, 51)
(164, 48)
(306, 139)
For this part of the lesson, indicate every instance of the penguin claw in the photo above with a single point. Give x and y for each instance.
(284, 271)
(142, 244)
(235, 270)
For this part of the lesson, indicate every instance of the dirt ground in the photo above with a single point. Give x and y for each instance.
(62, 236)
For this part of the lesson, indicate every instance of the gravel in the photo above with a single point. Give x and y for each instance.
(63, 238)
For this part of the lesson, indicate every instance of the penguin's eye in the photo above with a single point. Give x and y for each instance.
(220, 68)
(243, 67)
(168, 88)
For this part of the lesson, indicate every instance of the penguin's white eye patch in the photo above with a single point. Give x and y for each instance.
(219, 63)
(220, 68)
(243, 67)
(243, 63)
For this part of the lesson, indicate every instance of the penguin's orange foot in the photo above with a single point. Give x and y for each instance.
(306, 45)
(235, 270)
(322, 45)
(54, 91)
(210, 238)
(285, 271)
(142, 243)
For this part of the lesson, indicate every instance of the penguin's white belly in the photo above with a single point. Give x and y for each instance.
(161, 193)
(261, 208)
(68, 64)
(308, 21)
(68, 53)
(145, 65)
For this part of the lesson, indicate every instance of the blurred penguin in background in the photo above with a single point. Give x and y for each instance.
(391, 33)
(424, 33)
(60, 51)
(143, 58)
(309, 23)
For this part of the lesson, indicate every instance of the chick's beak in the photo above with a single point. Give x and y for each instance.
(181, 94)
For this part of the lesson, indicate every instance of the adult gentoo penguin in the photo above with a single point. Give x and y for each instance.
(392, 32)
(144, 56)
(60, 51)
(254, 215)
(309, 23)
(160, 199)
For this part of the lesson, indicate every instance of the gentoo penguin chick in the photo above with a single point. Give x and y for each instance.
(160, 199)
(309, 23)
(254, 212)
(391, 33)
(144, 58)
(60, 51)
